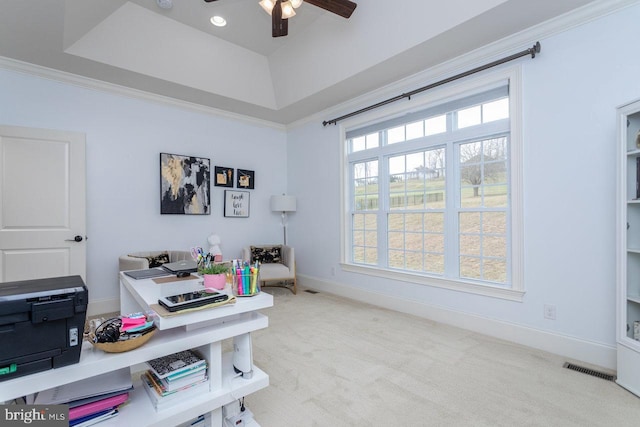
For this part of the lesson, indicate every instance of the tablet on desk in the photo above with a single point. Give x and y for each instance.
(192, 299)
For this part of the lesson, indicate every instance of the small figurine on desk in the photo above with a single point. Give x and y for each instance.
(214, 249)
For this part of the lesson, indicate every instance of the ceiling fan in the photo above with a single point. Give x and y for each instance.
(282, 10)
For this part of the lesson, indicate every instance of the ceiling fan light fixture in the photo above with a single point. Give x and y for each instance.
(296, 3)
(267, 5)
(287, 10)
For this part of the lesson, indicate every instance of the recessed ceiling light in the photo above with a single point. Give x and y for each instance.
(218, 21)
(165, 4)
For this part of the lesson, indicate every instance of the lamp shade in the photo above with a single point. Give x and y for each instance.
(267, 5)
(283, 203)
(287, 10)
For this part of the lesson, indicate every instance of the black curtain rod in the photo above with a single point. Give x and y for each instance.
(531, 51)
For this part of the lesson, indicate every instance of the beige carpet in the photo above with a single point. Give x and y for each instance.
(334, 362)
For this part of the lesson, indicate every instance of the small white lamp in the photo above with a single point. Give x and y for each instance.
(283, 204)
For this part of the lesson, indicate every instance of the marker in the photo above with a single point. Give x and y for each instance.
(239, 281)
(247, 278)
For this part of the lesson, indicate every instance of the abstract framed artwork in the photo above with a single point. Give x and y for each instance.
(185, 185)
(223, 177)
(236, 204)
(246, 179)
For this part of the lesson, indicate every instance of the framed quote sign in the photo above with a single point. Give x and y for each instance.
(236, 204)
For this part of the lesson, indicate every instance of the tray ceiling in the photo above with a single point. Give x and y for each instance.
(240, 68)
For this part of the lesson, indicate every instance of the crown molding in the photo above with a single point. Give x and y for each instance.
(111, 88)
(503, 47)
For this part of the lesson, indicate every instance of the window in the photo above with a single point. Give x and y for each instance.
(482, 210)
(430, 194)
(365, 201)
(416, 211)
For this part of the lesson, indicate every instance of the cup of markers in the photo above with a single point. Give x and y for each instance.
(245, 279)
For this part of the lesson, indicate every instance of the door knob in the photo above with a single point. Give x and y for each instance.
(75, 239)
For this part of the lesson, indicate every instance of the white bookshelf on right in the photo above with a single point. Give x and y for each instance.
(628, 248)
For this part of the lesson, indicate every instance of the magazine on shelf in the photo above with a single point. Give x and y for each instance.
(176, 364)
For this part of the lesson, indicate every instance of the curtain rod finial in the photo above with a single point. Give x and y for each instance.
(535, 49)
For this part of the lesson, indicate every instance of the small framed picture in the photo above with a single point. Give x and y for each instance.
(223, 177)
(236, 204)
(246, 179)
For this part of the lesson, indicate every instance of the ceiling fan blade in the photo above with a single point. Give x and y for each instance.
(279, 26)
(343, 8)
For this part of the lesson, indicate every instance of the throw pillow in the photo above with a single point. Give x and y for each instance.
(266, 254)
(155, 260)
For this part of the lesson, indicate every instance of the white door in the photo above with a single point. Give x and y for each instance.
(42, 204)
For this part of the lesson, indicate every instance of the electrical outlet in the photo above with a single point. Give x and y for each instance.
(550, 312)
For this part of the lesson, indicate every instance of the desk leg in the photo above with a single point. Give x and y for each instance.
(213, 353)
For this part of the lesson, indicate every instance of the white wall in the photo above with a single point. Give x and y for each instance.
(570, 94)
(570, 91)
(124, 138)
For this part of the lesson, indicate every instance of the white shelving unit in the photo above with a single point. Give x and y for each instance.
(628, 247)
(202, 330)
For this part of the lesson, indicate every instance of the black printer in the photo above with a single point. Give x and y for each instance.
(41, 324)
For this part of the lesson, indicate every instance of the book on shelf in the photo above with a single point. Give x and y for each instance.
(75, 403)
(162, 391)
(177, 383)
(176, 364)
(178, 375)
(98, 406)
(90, 420)
(173, 384)
(163, 401)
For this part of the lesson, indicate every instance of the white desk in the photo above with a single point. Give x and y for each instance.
(139, 295)
(203, 330)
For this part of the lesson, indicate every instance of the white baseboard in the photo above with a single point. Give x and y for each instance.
(564, 345)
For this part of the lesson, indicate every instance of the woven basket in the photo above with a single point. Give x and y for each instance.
(122, 346)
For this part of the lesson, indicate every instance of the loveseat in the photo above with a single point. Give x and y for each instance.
(142, 260)
(277, 265)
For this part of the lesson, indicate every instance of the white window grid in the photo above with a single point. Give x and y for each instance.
(421, 139)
